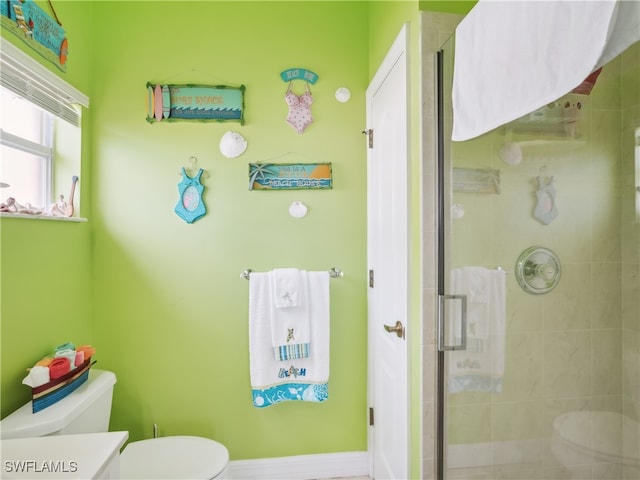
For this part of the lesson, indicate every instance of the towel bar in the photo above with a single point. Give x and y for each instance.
(333, 273)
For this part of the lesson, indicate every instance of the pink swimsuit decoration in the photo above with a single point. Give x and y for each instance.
(299, 108)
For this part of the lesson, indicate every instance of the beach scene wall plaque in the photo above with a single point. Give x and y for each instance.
(203, 103)
(37, 29)
(290, 176)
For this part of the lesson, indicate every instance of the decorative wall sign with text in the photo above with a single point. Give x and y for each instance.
(290, 176)
(299, 74)
(41, 32)
(205, 103)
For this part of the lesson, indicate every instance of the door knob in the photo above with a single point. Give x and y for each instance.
(398, 328)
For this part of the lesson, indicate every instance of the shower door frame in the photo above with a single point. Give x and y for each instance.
(435, 29)
(440, 443)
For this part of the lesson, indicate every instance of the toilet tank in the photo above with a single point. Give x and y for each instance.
(85, 410)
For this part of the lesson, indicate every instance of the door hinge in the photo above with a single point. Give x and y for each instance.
(369, 133)
(370, 278)
(370, 415)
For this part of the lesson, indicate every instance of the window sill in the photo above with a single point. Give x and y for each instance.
(42, 217)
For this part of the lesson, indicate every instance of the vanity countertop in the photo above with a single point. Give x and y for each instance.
(87, 455)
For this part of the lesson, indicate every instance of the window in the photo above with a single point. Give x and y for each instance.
(40, 131)
(26, 151)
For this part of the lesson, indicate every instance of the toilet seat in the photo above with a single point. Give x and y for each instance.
(174, 457)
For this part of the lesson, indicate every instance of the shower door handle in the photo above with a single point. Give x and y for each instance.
(442, 300)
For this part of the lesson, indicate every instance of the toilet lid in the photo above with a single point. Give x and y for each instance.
(174, 457)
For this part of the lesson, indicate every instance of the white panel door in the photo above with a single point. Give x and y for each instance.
(388, 263)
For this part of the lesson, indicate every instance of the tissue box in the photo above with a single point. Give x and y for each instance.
(55, 390)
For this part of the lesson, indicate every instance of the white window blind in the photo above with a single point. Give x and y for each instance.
(27, 78)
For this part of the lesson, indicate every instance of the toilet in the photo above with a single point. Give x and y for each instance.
(88, 409)
(589, 437)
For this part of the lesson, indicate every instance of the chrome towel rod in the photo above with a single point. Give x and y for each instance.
(333, 273)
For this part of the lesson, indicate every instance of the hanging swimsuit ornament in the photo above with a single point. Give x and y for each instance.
(299, 116)
(546, 209)
(190, 207)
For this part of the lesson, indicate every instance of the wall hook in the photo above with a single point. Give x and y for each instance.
(192, 169)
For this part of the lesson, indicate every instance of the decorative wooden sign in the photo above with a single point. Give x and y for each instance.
(204, 103)
(290, 176)
(299, 74)
(38, 30)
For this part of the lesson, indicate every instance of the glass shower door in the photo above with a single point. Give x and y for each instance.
(471, 304)
(538, 283)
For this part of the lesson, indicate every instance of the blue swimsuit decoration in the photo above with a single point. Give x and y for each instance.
(190, 207)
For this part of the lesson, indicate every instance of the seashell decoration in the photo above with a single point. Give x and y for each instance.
(511, 154)
(232, 144)
(343, 94)
(297, 210)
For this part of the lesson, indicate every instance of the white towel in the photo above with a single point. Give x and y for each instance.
(474, 282)
(290, 313)
(273, 381)
(481, 366)
(37, 376)
(513, 57)
(289, 285)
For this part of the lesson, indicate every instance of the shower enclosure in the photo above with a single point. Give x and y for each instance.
(539, 287)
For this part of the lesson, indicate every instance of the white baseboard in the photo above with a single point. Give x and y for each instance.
(301, 467)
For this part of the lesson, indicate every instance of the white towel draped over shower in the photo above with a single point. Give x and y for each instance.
(513, 57)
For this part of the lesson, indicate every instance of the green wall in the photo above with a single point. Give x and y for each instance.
(45, 266)
(170, 310)
(160, 299)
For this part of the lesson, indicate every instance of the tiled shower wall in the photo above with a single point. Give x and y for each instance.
(630, 248)
(576, 347)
